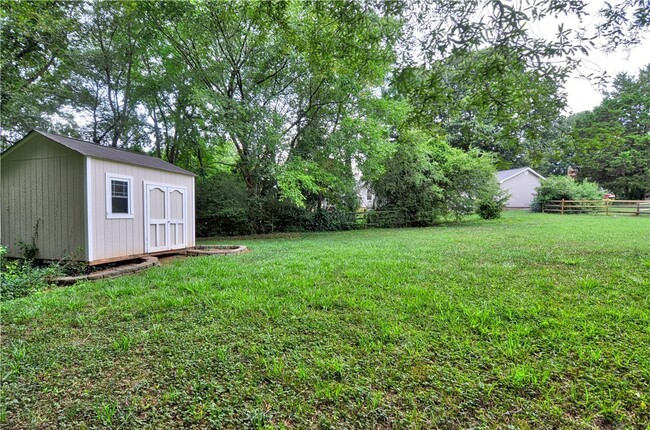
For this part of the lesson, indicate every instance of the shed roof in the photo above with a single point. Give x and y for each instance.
(96, 150)
(504, 175)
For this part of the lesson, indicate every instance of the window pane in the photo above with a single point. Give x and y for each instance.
(119, 188)
(120, 205)
(119, 196)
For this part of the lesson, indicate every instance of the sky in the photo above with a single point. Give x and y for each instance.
(582, 94)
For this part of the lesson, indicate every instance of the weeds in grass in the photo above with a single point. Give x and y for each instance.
(3, 404)
(530, 321)
(105, 412)
(123, 343)
(331, 391)
(258, 418)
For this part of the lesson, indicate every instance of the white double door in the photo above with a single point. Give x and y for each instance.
(165, 214)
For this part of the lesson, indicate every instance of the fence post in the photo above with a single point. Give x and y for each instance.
(638, 208)
(562, 208)
(606, 207)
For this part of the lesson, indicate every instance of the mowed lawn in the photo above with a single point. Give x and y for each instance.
(531, 321)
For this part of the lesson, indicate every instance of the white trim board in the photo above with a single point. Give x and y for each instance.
(88, 198)
(527, 169)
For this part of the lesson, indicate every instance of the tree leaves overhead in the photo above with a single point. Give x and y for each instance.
(270, 73)
(485, 100)
(293, 95)
(36, 38)
(624, 23)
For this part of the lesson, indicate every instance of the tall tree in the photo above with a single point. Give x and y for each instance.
(485, 99)
(108, 60)
(271, 72)
(612, 142)
(36, 38)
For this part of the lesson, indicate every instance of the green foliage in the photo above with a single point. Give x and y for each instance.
(287, 94)
(565, 187)
(222, 203)
(426, 179)
(19, 278)
(469, 178)
(105, 412)
(612, 142)
(271, 75)
(491, 207)
(413, 175)
(29, 250)
(484, 99)
(225, 207)
(36, 41)
(609, 145)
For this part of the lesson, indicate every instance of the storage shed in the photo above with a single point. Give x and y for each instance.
(520, 184)
(83, 201)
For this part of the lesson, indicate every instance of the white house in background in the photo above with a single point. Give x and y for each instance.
(93, 203)
(520, 184)
(365, 195)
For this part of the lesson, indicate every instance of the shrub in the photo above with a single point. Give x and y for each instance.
(225, 207)
(19, 278)
(332, 220)
(471, 181)
(491, 207)
(564, 187)
(426, 178)
(222, 206)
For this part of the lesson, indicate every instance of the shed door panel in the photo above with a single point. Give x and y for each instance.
(156, 211)
(177, 217)
(157, 203)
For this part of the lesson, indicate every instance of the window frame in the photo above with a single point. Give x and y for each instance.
(110, 177)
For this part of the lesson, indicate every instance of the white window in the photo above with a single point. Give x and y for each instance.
(119, 196)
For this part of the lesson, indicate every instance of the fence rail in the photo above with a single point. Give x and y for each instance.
(607, 207)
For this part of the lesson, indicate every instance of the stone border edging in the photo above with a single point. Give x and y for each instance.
(149, 261)
(217, 250)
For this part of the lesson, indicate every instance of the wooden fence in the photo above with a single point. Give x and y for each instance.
(607, 207)
(392, 218)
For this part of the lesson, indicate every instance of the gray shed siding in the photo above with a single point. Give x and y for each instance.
(114, 238)
(521, 189)
(42, 183)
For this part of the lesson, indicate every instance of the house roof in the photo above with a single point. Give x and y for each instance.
(95, 150)
(504, 175)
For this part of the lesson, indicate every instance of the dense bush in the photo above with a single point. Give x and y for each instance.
(222, 206)
(422, 181)
(332, 220)
(19, 278)
(426, 179)
(564, 187)
(225, 208)
(491, 207)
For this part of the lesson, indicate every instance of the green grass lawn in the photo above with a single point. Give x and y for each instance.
(531, 321)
